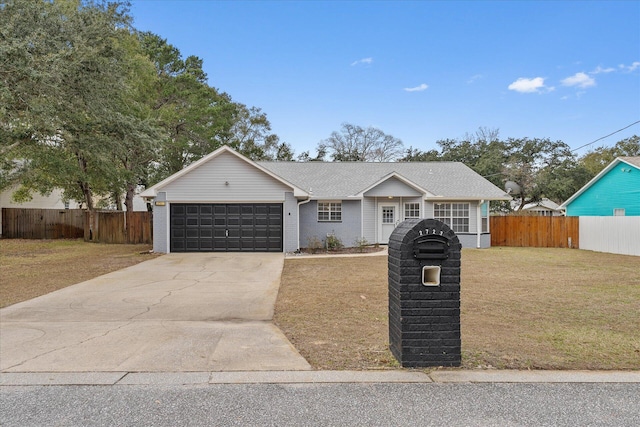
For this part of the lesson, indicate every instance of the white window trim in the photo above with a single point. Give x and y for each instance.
(332, 204)
(451, 217)
(405, 210)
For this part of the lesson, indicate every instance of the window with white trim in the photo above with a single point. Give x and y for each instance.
(484, 214)
(411, 210)
(329, 211)
(619, 212)
(455, 215)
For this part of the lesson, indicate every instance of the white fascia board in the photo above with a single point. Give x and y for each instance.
(152, 191)
(593, 181)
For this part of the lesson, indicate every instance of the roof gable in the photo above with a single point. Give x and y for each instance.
(393, 184)
(152, 191)
(634, 162)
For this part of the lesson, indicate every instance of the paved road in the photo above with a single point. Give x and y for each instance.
(378, 404)
(175, 313)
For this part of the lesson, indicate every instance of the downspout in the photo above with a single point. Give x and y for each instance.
(479, 224)
(298, 219)
(362, 218)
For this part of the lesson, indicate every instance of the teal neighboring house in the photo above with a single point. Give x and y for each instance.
(613, 192)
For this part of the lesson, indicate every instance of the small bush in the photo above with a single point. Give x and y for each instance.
(361, 244)
(333, 243)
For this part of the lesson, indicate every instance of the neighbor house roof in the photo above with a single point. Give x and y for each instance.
(631, 161)
(327, 180)
(544, 203)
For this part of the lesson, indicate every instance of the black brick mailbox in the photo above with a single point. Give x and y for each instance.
(424, 294)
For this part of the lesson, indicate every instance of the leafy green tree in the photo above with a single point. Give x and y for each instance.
(416, 155)
(197, 118)
(355, 143)
(596, 160)
(74, 44)
(541, 167)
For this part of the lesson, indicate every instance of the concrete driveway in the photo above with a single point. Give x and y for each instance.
(175, 313)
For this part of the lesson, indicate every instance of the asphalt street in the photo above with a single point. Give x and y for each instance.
(308, 404)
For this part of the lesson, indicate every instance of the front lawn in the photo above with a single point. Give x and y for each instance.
(522, 308)
(30, 268)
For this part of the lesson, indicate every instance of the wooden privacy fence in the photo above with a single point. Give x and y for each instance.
(99, 226)
(118, 227)
(20, 223)
(535, 231)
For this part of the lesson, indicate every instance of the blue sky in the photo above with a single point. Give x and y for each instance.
(419, 70)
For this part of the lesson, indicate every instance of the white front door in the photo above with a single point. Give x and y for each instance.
(388, 219)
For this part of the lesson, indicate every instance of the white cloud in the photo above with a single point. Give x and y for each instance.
(629, 68)
(474, 78)
(363, 61)
(579, 79)
(420, 88)
(524, 85)
(599, 70)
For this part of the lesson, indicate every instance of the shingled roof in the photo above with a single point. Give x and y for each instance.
(341, 180)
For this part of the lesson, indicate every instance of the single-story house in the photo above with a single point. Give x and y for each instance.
(226, 202)
(615, 191)
(544, 207)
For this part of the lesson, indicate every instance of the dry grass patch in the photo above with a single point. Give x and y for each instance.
(521, 308)
(334, 311)
(30, 268)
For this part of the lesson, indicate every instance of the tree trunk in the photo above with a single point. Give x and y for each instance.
(128, 198)
(88, 195)
(117, 197)
(85, 187)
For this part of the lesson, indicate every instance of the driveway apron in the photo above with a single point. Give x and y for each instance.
(175, 313)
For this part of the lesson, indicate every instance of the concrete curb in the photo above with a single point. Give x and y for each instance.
(312, 377)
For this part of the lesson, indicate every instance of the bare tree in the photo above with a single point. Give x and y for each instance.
(355, 143)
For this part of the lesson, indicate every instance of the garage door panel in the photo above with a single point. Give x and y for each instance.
(226, 227)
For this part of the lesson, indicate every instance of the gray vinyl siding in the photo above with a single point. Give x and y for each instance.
(469, 240)
(161, 225)
(207, 183)
(369, 220)
(290, 216)
(348, 230)
(392, 187)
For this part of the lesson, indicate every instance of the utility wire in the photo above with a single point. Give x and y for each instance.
(606, 136)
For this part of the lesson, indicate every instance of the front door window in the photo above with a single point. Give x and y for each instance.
(388, 215)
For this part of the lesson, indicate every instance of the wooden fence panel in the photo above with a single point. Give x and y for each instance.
(535, 231)
(22, 223)
(118, 227)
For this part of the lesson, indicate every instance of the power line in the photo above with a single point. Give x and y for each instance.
(606, 136)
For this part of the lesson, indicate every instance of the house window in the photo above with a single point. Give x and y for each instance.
(455, 215)
(411, 210)
(329, 211)
(484, 214)
(619, 212)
